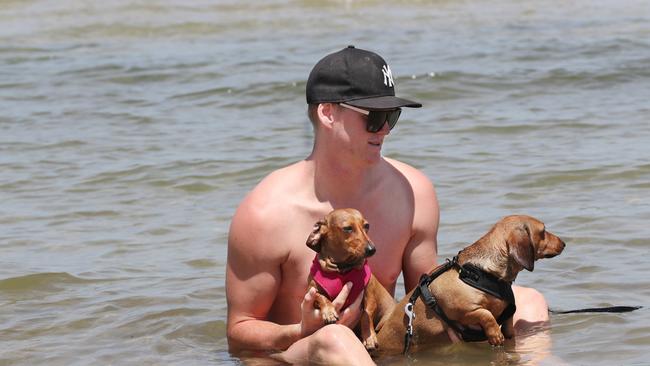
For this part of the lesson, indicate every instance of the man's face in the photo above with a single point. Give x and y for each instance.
(364, 145)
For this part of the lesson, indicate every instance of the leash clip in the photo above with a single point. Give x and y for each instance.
(408, 311)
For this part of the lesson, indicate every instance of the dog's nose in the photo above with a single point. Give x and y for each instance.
(370, 250)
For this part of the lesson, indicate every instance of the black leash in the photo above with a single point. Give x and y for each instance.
(609, 309)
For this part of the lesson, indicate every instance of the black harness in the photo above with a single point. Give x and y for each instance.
(471, 275)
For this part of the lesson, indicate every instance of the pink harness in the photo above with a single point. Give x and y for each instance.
(332, 282)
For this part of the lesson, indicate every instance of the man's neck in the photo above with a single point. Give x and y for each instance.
(341, 183)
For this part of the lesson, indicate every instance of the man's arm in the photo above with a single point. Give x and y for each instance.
(253, 275)
(253, 279)
(420, 254)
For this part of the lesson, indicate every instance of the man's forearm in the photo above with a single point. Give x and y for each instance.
(261, 335)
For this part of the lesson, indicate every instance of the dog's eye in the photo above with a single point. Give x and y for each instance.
(366, 227)
(347, 229)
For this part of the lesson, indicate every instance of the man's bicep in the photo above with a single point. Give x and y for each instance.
(420, 255)
(251, 289)
(252, 273)
(420, 258)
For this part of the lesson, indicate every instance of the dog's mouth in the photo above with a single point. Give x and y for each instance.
(341, 267)
(346, 266)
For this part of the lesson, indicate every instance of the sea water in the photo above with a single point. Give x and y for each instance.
(131, 130)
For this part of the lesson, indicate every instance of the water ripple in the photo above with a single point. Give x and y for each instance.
(49, 282)
(131, 131)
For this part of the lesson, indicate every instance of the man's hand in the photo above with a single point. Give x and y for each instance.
(311, 317)
(350, 315)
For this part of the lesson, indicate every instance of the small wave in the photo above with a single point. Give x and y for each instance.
(195, 187)
(157, 321)
(600, 175)
(249, 95)
(138, 31)
(16, 86)
(97, 213)
(502, 130)
(207, 331)
(201, 94)
(15, 49)
(47, 281)
(626, 72)
(638, 336)
(141, 78)
(66, 144)
(201, 263)
(130, 174)
(556, 178)
(166, 314)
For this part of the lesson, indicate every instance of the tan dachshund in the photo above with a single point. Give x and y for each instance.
(468, 295)
(342, 243)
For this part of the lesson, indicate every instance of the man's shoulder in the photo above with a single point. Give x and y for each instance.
(427, 211)
(419, 181)
(278, 186)
(256, 221)
(274, 194)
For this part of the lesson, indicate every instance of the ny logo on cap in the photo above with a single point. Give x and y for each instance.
(388, 76)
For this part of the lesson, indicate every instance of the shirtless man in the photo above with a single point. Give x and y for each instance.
(270, 308)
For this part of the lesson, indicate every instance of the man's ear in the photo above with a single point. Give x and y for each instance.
(317, 234)
(325, 112)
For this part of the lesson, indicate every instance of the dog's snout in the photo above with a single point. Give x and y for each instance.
(370, 249)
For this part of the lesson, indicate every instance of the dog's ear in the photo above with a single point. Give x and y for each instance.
(317, 233)
(520, 247)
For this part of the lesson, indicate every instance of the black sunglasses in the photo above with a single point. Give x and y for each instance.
(376, 119)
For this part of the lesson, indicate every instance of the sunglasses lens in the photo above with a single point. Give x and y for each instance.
(392, 118)
(376, 119)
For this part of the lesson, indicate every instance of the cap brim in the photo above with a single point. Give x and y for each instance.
(384, 102)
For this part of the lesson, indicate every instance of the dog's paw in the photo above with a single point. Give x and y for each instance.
(330, 316)
(371, 343)
(496, 338)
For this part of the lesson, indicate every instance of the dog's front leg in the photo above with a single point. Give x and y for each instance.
(488, 323)
(368, 334)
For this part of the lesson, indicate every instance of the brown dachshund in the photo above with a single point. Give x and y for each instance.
(342, 243)
(471, 292)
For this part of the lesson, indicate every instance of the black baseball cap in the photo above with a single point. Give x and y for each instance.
(357, 77)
